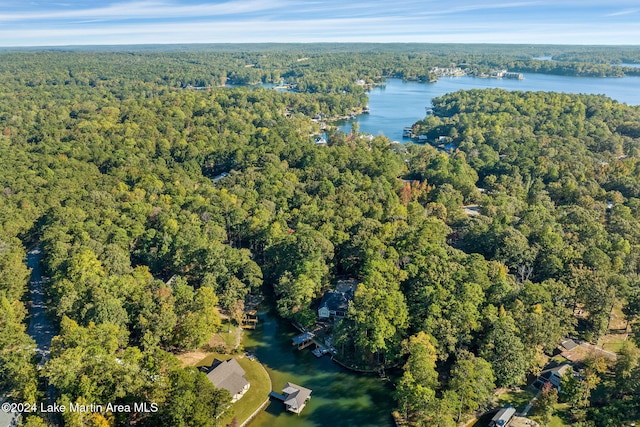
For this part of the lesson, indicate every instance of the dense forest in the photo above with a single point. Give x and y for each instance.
(125, 176)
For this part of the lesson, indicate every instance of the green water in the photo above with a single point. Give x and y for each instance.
(339, 397)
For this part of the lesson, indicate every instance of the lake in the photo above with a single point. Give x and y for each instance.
(398, 104)
(344, 398)
(339, 398)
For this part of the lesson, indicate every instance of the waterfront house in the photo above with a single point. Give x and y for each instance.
(229, 375)
(335, 303)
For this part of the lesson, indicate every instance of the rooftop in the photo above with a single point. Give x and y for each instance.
(296, 396)
(228, 375)
(299, 339)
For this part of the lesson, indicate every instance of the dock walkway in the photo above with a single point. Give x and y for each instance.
(278, 396)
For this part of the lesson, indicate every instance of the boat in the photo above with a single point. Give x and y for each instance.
(320, 351)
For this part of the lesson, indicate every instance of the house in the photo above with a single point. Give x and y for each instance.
(295, 397)
(229, 375)
(553, 375)
(335, 303)
(503, 417)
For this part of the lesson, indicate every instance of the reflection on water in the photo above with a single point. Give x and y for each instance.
(339, 398)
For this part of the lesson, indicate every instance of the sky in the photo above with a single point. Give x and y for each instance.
(100, 22)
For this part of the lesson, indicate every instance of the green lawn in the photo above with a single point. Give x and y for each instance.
(229, 336)
(559, 359)
(561, 417)
(255, 396)
(614, 344)
(517, 399)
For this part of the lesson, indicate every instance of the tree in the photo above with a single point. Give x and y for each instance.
(597, 297)
(378, 310)
(472, 381)
(14, 274)
(17, 353)
(416, 389)
(505, 351)
(193, 400)
(34, 421)
(237, 312)
(626, 368)
(546, 403)
(197, 318)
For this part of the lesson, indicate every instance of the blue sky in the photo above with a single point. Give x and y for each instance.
(81, 22)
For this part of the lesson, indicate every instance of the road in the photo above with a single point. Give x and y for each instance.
(41, 329)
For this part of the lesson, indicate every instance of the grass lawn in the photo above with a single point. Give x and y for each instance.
(559, 359)
(613, 342)
(517, 399)
(560, 419)
(483, 421)
(229, 336)
(255, 396)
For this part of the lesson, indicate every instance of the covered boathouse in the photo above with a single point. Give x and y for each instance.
(293, 396)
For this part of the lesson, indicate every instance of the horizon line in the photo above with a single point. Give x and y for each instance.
(75, 46)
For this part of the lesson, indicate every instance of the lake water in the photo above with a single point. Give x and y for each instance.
(339, 397)
(344, 398)
(399, 104)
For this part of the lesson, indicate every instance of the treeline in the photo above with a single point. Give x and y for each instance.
(331, 69)
(121, 183)
(558, 201)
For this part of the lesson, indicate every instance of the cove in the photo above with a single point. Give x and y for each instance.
(339, 398)
(397, 103)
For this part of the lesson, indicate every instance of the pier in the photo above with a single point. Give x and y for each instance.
(303, 341)
(251, 319)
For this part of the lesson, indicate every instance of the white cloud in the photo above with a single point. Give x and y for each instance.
(398, 29)
(150, 10)
(314, 21)
(624, 12)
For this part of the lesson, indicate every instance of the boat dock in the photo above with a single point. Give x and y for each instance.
(250, 320)
(303, 341)
(278, 396)
(293, 396)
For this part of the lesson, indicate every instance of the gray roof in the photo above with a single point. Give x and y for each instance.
(299, 339)
(296, 395)
(503, 416)
(560, 369)
(569, 344)
(228, 375)
(336, 301)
